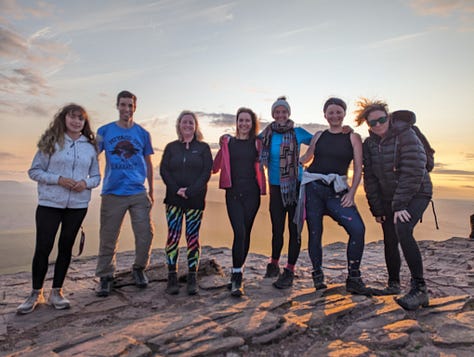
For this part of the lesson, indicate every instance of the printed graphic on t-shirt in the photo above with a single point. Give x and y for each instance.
(123, 152)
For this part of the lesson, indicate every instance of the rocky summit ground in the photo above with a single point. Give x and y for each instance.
(265, 322)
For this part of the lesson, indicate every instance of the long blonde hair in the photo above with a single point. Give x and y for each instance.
(197, 133)
(57, 128)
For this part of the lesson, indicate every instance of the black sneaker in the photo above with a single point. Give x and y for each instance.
(318, 280)
(237, 288)
(285, 279)
(273, 271)
(356, 286)
(191, 283)
(416, 297)
(140, 278)
(105, 286)
(173, 287)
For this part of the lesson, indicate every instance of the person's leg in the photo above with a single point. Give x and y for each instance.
(112, 211)
(140, 207)
(294, 246)
(251, 205)
(418, 294)
(236, 211)
(390, 240)
(277, 216)
(315, 207)
(349, 218)
(71, 222)
(47, 224)
(174, 218)
(408, 243)
(193, 224)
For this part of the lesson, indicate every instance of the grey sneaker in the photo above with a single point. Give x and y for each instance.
(57, 299)
(36, 297)
(285, 279)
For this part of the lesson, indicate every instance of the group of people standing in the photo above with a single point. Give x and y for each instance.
(392, 161)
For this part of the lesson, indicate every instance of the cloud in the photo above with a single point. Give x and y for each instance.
(12, 44)
(7, 156)
(11, 9)
(469, 156)
(23, 80)
(441, 7)
(396, 40)
(314, 127)
(219, 120)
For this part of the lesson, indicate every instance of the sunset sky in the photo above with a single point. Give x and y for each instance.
(215, 56)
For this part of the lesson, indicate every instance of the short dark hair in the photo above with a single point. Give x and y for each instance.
(335, 101)
(127, 94)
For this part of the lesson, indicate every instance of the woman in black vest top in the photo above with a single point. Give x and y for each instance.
(325, 188)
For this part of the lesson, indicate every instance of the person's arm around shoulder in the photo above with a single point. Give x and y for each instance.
(348, 199)
(308, 155)
(149, 177)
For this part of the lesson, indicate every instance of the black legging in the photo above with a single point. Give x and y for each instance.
(278, 214)
(403, 233)
(241, 209)
(48, 220)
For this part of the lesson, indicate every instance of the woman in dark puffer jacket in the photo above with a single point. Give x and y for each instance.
(398, 188)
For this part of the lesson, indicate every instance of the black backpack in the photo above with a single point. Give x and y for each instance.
(409, 116)
(428, 149)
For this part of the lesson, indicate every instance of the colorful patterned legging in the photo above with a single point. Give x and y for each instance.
(174, 217)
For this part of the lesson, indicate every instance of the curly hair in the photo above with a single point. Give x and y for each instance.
(366, 106)
(197, 132)
(254, 130)
(57, 129)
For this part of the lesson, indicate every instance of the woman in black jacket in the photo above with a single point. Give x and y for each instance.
(398, 188)
(185, 169)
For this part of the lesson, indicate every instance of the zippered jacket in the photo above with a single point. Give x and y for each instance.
(222, 163)
(76, 160)
(191, 168)
(395, 167)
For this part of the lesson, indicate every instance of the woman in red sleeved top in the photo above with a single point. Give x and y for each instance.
(243, 178)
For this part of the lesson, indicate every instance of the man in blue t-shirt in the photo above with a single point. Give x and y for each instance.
(128, 152)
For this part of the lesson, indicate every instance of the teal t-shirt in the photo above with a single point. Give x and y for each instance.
(302, 137)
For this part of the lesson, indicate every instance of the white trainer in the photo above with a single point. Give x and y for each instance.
(36, 297)
(57, 299)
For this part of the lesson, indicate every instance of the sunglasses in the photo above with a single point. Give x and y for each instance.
(374, 122)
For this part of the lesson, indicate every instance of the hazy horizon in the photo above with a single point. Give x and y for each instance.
(17, 227)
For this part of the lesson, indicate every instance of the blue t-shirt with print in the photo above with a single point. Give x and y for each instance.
(125, 152)
(302, 137)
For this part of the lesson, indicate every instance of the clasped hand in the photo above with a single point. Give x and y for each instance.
(71, 184)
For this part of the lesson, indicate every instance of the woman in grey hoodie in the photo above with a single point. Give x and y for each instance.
(66, 170)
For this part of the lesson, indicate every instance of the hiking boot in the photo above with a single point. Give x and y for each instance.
(237, 288)
(36, 297)
(393, 288)
(355, 285)
(173, 287)
(416, 297)
(285, 279)
(191, 283)
(140, 278)
(105, 286)
(273, 271)
(57, 299)
(318, 280)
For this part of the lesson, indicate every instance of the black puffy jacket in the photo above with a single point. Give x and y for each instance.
(395, 166)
